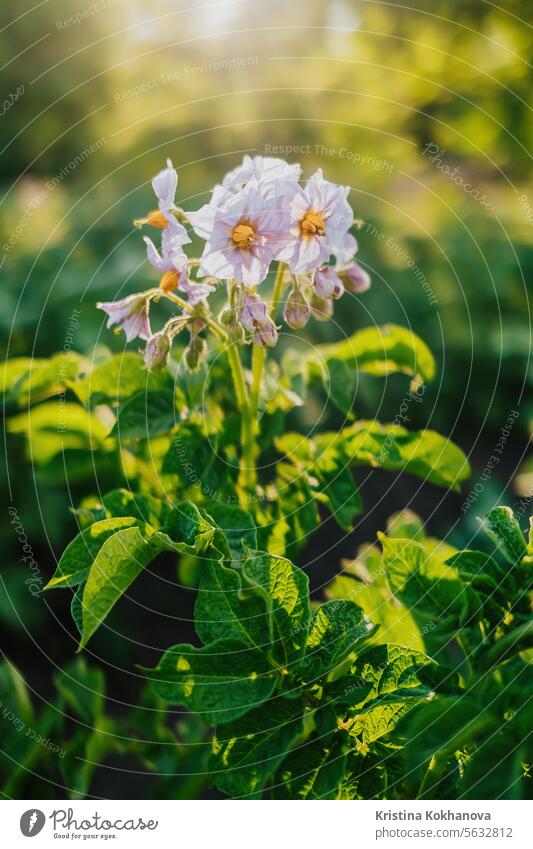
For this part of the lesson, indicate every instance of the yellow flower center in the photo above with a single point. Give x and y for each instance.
(157, 219)
(169, 280)
(313, 224)
(243, 236)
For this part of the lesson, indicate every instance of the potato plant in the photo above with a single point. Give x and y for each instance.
(411, 677)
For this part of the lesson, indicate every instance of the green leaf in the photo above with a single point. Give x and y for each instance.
(76, 607)
(297, 503)
(118, 379)
(246, 753)
(146, 414)
(220, 682)
(223, 611)
(124, 555)
(364, 581)
(424, 453)
(378, 720)
(84, 753)
(194, 458)
(120, 560)
(337, 628)
(14, 694)
(146, 508)
(384, 350)
(381, 685)
(321, 473)
(83, 689)
(498, 769)
(442, 727)
(79, 554)
(483, 573)
(27, 380)
(502, 527)
(90, 510)
(340, 383)
(389, 670)
(185, 523)
(286, 590)
(342, 497)
(315, 770)
(55, 427)
(426, 585)
(237, 525)
(441, 679)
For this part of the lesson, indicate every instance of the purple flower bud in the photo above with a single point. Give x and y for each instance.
(129, 314)
(326, 282)
(195, 353)
(254, 312)
(338, 291)
(266, 336)
(356, 279)
(296, 311)
(157, 351)
(321, 308)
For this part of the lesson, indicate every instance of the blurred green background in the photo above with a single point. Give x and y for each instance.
(424, 111)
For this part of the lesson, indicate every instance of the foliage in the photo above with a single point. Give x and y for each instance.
(309, 701)
(60, 748)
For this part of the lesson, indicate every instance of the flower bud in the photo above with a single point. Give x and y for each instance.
(321, 308)
(356, 279)
(229, 319)
(266, 336)
(195, 353)
(326, 282)
(296, 311)
(157, 351)
(254, 313)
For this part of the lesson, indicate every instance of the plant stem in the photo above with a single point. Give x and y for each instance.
(247, 477)
(258, 364)
(237, 374)
(187, 308)
(259, 354)
(250, 423)
(278, 288)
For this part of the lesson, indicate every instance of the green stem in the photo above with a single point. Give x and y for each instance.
(250, 423)
(258, 364)
(278, 288)
(515, 641)
(188, 308)
(259, 354)
(237, 374)
(247, 478)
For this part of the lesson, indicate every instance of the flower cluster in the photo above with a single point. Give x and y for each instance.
(259, 214)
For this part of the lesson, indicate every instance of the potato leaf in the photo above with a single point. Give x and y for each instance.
(336, 629)
(384, 350)
(246, 753)
(285, 589)
(221, 682)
